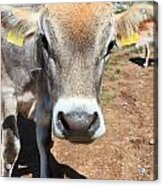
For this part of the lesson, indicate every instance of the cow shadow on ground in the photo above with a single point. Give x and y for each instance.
(140, 61)
(59, 170)
(28, 160)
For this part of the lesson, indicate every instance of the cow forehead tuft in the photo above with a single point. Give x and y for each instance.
(81, 10)
(79, 20)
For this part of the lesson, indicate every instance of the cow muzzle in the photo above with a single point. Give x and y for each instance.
(77, 120)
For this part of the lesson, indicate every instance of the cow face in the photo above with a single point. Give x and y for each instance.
(76, 44)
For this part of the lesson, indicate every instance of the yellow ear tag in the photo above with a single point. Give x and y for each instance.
(134, 38)
(16, 39)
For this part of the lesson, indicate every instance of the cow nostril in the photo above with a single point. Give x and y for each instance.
(94, 118)
(63, 120)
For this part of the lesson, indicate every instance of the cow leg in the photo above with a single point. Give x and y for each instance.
(9, 134)
(44, 144)
(147, 55)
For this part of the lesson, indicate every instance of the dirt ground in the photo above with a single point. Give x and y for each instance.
(126, 151)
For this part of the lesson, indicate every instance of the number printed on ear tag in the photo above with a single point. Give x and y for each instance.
(14, 38)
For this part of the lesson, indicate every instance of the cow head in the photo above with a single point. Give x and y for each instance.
(76, 44)
(76, 40)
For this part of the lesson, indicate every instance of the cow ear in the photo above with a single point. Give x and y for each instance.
(128, 22)
(19, 21)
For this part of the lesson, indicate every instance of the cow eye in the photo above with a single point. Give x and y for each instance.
(109, 48)
(45, 43)
(46, 47)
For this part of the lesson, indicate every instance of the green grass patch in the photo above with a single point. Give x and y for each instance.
(107, 96)
(112, 73)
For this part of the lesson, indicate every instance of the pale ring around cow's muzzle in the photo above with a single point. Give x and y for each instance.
(77, 119)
